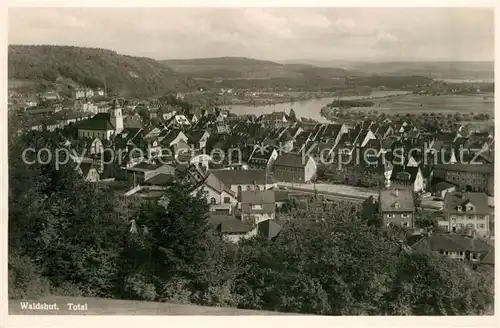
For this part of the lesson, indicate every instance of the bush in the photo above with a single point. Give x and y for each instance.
(25, 280)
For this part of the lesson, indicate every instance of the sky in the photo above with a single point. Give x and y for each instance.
(279, 34)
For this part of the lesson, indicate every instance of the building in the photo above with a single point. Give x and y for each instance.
(220, 197)
(99, 126)
(294, 168)
(441, 188)
(88, 171)
(458, 247)
(198, 139)
(468, 177)
(407, 177)
(463, 210)
(257, 206)
(245, 180)
(102, 125)
(233, 229)
(396, 207)
(262, 158)
(141, 172)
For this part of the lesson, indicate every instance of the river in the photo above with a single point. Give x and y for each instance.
(306, 108)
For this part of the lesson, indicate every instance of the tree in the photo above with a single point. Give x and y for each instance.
(292, 115)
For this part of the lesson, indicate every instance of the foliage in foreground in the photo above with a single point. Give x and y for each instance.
(68, 237)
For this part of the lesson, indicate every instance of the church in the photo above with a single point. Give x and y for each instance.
(103, 125)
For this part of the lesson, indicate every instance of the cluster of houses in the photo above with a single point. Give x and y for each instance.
(398, 158)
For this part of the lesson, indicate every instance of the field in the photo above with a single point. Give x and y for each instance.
(449, 104)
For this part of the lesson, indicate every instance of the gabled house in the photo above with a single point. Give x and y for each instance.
(466, 211)
(245, 180)
(89, 172)
(262, 158)
(198, 138)
(396, 207)
(257, 206)
(220, 197)
(294, 168)
(407, 177)
(458, 247)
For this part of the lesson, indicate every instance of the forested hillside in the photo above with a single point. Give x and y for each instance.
(124, 75)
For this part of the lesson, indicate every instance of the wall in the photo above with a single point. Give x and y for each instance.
(398, 219)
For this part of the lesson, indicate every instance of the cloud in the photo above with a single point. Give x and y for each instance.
(267, 33)
(384, 37)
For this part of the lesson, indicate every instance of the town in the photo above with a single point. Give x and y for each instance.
(282, 158)
(267, 161)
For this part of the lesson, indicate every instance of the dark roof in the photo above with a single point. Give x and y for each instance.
(258, 197)
(85, 167)
(454, 199)
(291, 160)
(281, 195)
(132, 122)
(404, 199)
(451, 242)
(479, 168)
(160, 179)
(100, 122)
(241, 177)
(270, 228)
(195, 136)
(404, 174)
(145, 167)
(235, 226)
(216, 184)
(443, 185)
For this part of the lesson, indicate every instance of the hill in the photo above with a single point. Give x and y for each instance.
(248, 68)
(124, 75)
(435, 70)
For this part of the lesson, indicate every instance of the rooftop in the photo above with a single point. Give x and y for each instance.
(396, 200)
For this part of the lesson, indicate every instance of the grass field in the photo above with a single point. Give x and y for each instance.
(101, 306)
(476, 104)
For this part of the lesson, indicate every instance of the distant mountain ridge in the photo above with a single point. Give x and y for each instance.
(94, 67)
(475, 70)
(249, 68)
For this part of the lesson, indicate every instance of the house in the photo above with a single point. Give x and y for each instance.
(102, 125)
(178, 121)
(245, 180)
(275, 119)
(233, 229)
(294, 168)
(468, 177)
(396, 207)
(257, 206)
(220, 197)
(42, 110)
(99, 126)
(463, 248)
(262, 158)
(141, 172)
(270, 229)
(464, 210)
(441, 188)
(50, 95)
(89, 172)
(407, 176)
(198, 139)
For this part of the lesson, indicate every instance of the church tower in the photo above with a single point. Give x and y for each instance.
(116, 116)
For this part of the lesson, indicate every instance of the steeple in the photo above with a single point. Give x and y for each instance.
(116, 116)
